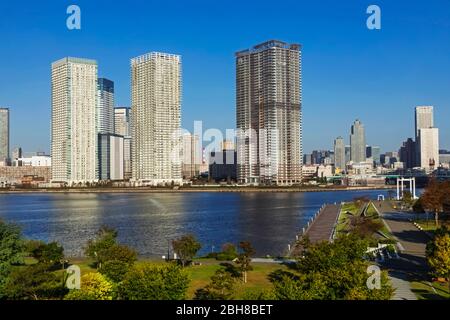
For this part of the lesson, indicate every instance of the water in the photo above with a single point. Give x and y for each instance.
(147, 222)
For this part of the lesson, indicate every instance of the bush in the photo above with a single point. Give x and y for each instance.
(93, 287)
(115, 270)
(148, 281)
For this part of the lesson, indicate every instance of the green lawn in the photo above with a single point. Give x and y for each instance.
(257, 279)
(430, 290)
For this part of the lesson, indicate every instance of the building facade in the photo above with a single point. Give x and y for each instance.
(74, 128)
(357, 142)
(191, 156)
(122, 126)
(423, 118)
(105, 106)
(4, 136)
(339, 154)
(407, 154)
(429, 148)
(156, 118)
(269, 113)
(111, 156)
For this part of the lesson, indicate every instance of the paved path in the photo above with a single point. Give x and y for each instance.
(322, 227)
(412, 244)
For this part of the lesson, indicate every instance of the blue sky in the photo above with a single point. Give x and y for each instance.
(349, 71)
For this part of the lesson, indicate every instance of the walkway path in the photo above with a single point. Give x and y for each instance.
(322, 227)
(412, 244)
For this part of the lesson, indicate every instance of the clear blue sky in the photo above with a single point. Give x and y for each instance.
(348, 71)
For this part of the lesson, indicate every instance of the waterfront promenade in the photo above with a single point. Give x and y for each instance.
(321, 228)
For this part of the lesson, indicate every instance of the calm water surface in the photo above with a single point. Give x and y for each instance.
(148, 221)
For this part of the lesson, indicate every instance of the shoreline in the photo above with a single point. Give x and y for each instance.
(193, 190)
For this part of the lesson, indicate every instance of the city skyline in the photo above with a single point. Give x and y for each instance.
(376, 85)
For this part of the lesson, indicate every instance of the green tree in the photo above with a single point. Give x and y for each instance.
(244, 258)
(34, 282)
(438, 254)
(105, 239)
(11, 251)
(434, 197)
(229, 252)
(50, 253)
(330, 271)
(221, 287)
(186, 248)
(115, 270)
(148, 281)
(94, 286)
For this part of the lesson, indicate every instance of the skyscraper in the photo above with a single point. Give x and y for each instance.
(73, 130)
(122, 126)
(156, 118)
(191, 156)
(105, 106)
(4, 136)
(408, 154)
(423, 118)
(339, 154)
(122, 121)
(429, 148)
(111, 156)
(357, 142)
(268, 114)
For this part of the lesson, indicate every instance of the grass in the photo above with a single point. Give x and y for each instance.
(430, 290)
(257, 279)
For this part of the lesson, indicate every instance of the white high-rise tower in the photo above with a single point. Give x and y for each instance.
(156, 118)
(73, 130)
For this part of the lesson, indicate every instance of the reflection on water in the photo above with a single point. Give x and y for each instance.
(148, 222)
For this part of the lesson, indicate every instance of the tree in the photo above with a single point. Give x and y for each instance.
(244, 258)
(434, 196)
(11, 251)
(34, 282)
(50, 253)
(115, 270)
(228, 253)
(94, 286)
(148, 281)
(220, 288)
(186, 248)
(105, 239)
(438, 254)
(330, 271)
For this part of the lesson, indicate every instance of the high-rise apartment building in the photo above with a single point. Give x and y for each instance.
(407, 154)
(4, 136)
(191, 156)
(269, 113)
(339, 154)
(357, 142)
(156, 118)
(74, 128)
(105, 106)
(122, 126)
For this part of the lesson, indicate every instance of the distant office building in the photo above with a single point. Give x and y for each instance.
(156, 118)
(307, 159)
(268, 103)
(105, 106)
(4, 136)
(407, 154)
(347, 154)
(122, 126)
(339, 154)
(444, 158)
(191, 156)
(34, 161)
(424, 118)
(223, 166)
(74, 128)
(357, 142)
(428, 147)
(111, 156)
(374, 153)
(16, 154)
(122, 121)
